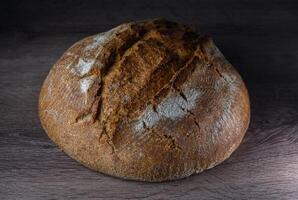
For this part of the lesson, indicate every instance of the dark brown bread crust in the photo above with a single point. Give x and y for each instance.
(148, 101)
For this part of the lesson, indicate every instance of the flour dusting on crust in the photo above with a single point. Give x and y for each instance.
(84, 66)
(173, 107)
(228, 81)
(86, 62)
(86, 83)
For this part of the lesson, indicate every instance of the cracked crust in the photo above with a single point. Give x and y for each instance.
(150, 101)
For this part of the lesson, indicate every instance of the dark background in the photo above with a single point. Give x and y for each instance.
(258, 37)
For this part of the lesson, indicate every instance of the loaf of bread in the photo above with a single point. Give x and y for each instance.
(149, 101)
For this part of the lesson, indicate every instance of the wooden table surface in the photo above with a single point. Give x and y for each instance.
(258, 38)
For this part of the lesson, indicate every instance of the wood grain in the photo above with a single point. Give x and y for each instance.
(261, 43)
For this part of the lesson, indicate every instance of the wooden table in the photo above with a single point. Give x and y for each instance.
(260, 40)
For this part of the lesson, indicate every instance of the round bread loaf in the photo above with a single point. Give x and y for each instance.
(149, 101)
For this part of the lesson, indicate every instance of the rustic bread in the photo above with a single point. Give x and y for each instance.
(150, 101)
